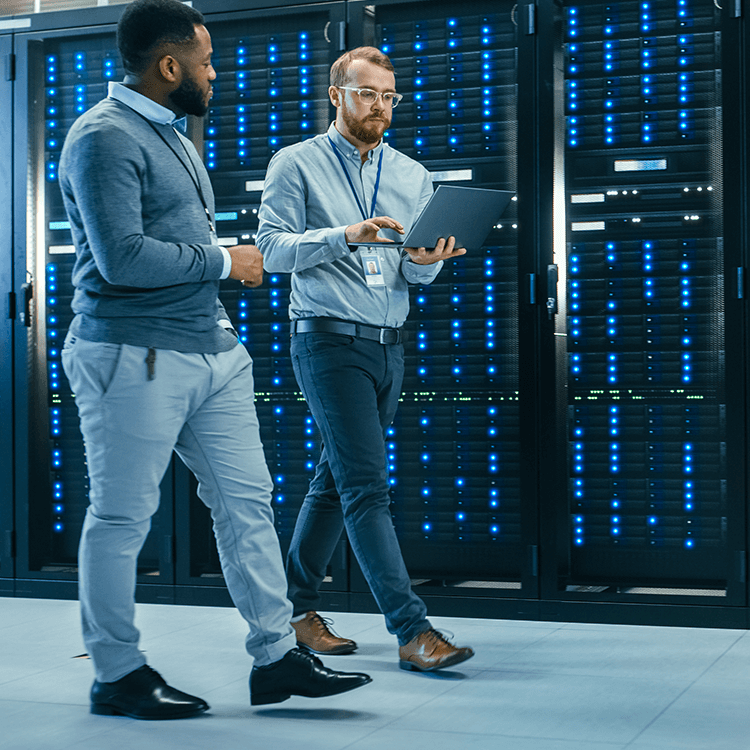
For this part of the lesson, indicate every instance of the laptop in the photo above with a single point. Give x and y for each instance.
(466, 213)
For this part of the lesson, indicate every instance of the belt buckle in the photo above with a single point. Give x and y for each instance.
(393, 331)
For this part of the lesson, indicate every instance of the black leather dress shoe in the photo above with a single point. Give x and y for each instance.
(144, 694)
(300, 673)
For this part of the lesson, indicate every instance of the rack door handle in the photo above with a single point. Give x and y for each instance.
(27, 293)
(552, 278)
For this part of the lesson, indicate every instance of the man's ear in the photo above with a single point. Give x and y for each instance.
(169, 69)
(335, 96)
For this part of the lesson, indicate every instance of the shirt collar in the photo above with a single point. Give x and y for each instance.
(150, 109)
(349, 149)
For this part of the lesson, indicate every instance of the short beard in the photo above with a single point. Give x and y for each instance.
(361, 130)
(189, 98)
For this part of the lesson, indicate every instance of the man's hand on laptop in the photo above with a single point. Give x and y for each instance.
(367, 231)
(444, 250)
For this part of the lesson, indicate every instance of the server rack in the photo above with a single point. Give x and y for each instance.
(735, 145)
(63, 73)
(271, 91)
(655, 510)
(461, 384)
(6, 326)
(456, 444)
(484, 451)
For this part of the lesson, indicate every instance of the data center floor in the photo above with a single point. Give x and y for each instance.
(531, 686)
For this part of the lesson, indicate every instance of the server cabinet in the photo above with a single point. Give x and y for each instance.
(59, 74)
(572, 427)
(455, 448)
(655, 491)
(6, 319)
(271, 91)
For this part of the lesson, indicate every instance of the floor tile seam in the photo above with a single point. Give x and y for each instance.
(581, 742)
(591, 675)
(636, 626)
(716, 660)
(585, 625)
(389, 723)
(713, 660)
(30, 702)
(109, 732)
(569, 627)
(32, 675)
(683, 692)
(421, 706)
(530, 644)
(501, 667)
(451, 686)
(742, 635)
(363, 737)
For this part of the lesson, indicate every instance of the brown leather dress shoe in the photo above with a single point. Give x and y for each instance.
(429, 651)
(313, 634)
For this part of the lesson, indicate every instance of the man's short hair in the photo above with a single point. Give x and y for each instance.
(340, 69)
(146, 24)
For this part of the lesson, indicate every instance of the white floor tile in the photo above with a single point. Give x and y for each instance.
(393, 739)
(530, 686)
(31, 726)
(703, 718)
(547, 705)
(626, 651)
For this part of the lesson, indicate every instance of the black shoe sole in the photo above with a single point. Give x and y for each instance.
(101, 709)
(263, 699)
(339, 652)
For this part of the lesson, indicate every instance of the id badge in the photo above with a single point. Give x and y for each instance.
(372, 269)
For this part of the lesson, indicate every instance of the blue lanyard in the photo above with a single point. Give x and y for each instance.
(351, 184)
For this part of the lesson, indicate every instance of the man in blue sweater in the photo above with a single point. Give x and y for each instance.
(156, 366)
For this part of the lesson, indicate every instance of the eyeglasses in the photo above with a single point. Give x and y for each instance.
(368, 96)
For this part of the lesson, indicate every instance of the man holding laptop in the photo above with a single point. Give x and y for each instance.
(324, 200)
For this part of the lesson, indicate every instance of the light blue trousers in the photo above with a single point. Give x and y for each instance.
(202, 407)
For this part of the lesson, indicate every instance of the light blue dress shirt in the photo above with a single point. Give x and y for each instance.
(307, 205)
(153, 111)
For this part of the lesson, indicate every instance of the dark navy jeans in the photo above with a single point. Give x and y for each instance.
(352, 387)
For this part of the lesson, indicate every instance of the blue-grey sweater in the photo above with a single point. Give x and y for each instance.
(146, 272)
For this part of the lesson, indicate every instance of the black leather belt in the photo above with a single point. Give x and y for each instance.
(359, 330)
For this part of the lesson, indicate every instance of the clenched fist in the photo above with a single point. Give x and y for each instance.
(247, 264)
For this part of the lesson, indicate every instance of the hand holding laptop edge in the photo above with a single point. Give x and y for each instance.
(444, 250)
